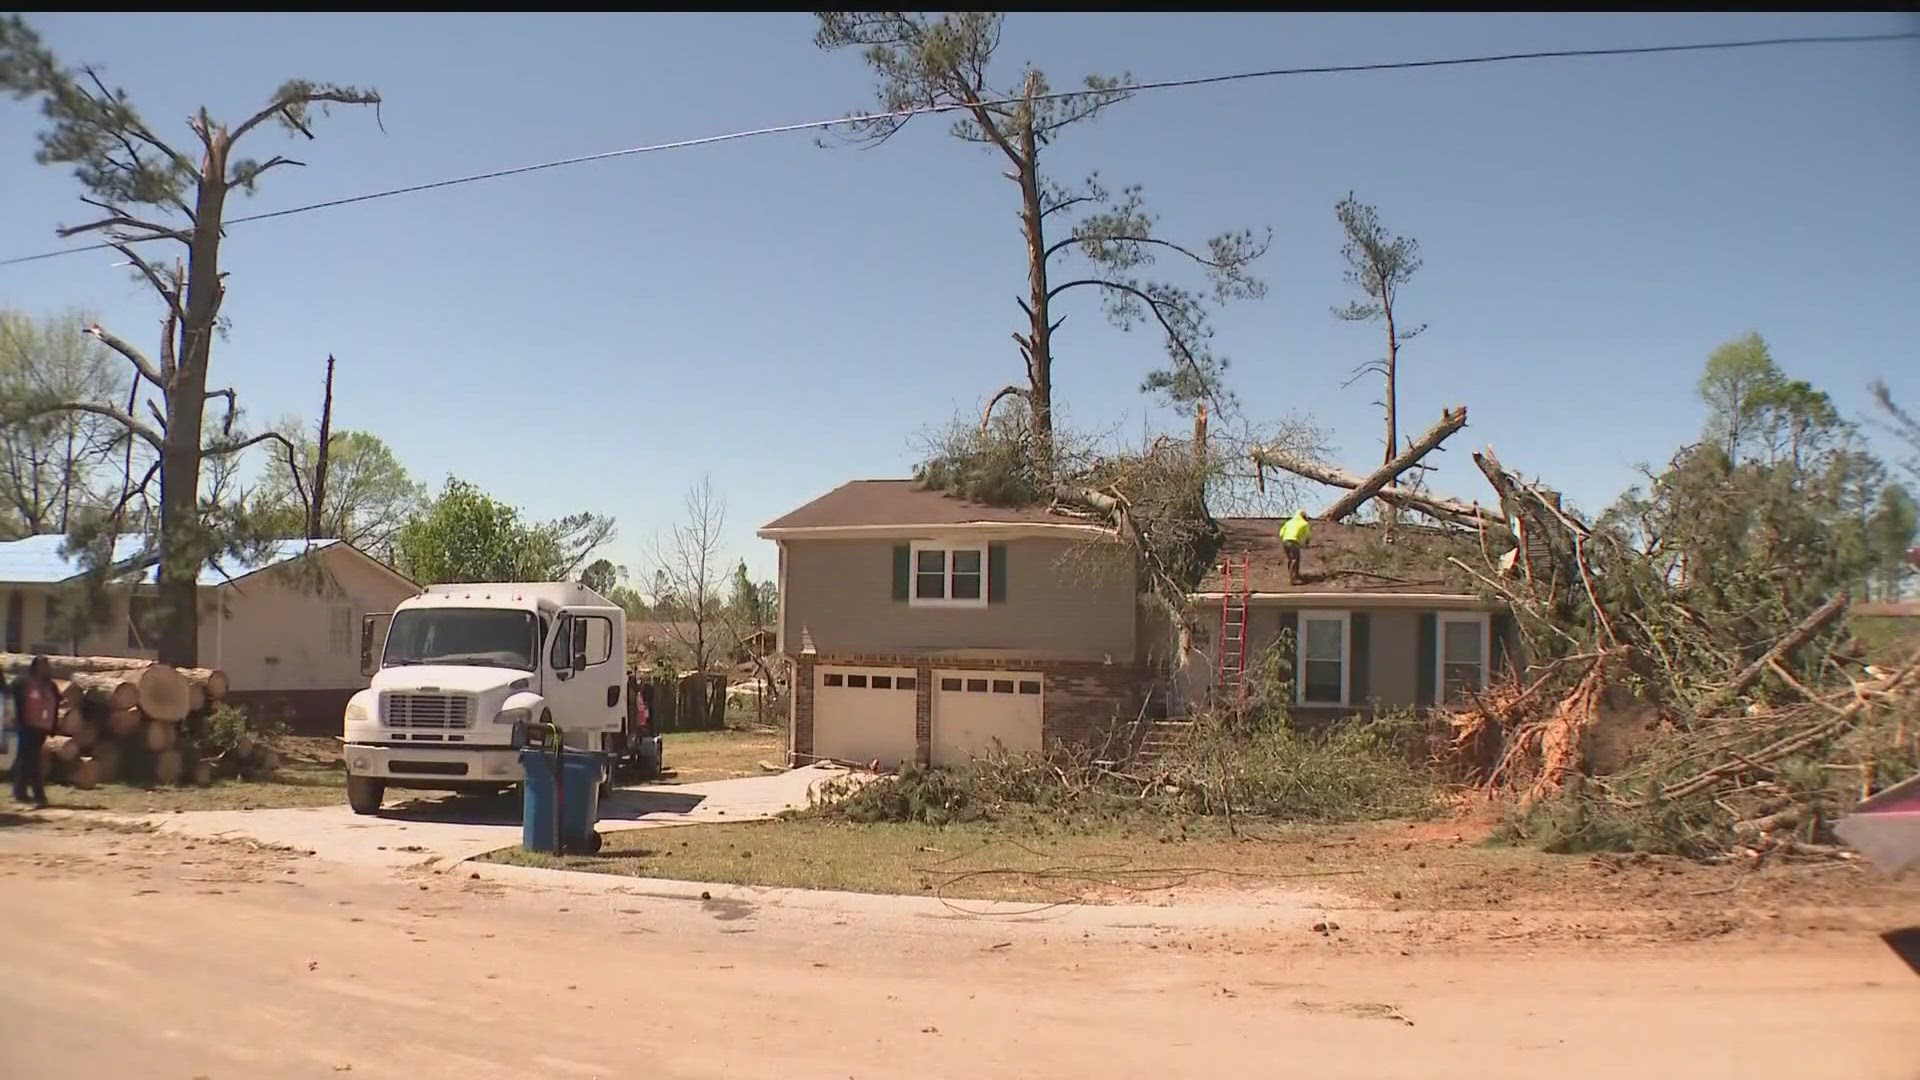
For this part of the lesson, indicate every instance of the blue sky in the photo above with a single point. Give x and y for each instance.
(781, 318)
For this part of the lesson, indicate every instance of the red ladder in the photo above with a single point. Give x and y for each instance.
(1231, 683)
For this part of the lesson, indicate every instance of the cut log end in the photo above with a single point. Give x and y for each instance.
(165, 694)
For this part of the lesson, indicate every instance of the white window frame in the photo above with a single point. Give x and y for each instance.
(947, 601)
(1440, 620)
(1345, 619)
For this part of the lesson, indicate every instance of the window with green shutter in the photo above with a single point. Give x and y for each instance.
(946, 575)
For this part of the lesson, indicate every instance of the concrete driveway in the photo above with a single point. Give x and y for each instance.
(446, 830)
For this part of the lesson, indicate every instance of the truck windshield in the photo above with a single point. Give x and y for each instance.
(483, 637)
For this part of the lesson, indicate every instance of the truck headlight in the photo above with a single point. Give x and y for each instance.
(514, 716)
(357, 713)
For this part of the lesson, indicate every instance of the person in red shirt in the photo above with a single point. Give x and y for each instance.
(36, 701)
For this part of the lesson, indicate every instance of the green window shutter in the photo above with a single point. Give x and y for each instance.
(1359, 628)
(1290, 655)
(996, 573)
(1426, 660)
(902, 570)
(1499, 650)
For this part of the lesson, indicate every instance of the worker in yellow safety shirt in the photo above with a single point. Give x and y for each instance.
(1293, 537)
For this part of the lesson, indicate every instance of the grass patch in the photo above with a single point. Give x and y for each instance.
(291, 786)
(1429, 866)
(1031, 859)
(693, 757)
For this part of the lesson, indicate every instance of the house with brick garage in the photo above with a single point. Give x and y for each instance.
(926, 628)
(283, 625)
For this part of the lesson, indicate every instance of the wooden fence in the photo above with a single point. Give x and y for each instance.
(691, 702)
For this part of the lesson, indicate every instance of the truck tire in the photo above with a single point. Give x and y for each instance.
(364, 794)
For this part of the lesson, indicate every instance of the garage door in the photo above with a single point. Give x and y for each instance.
(974, 709)
(864, 714)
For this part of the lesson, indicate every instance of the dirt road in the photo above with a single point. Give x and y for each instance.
(136, 955)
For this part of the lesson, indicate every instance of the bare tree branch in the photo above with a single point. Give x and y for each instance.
(118, 416)
(169, 292)
(135, 356)
(1176, 340)
(986, 414)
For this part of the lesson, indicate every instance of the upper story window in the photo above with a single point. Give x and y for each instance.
(949, 576)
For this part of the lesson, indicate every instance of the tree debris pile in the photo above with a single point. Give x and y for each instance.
(1355, 771)
(1705, 609)
(1767, 781)
(140, 721)
(1154, 500)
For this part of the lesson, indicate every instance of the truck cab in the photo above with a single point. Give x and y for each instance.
(460, 665)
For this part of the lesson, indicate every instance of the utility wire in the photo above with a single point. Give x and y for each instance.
(903, 114)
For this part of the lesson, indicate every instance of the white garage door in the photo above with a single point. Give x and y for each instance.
(864, 714)
(974, 709)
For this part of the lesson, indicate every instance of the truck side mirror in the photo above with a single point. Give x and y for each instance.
(578, 646)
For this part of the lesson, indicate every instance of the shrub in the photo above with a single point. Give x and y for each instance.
(226, 723)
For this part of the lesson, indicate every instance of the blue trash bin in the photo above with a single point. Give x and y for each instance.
(582, 794)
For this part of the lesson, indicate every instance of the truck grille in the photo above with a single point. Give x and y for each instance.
(439, 711)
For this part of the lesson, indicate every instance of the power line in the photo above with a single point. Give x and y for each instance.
(903, 114)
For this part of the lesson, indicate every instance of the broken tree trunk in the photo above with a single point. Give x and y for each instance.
(1794, 639)
(1451, 420)
(1452, 511)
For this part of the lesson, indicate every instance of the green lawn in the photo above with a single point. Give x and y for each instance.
(1423, 866)
(696, 756)
(1036, 860)
(292, 786)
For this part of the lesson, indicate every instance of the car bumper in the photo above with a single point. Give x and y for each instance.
(401, 765)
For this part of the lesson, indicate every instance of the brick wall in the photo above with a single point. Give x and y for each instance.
(1084, 703)
(800, 723)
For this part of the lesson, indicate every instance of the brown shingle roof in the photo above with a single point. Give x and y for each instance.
(902, 502)
(1339, 557)
(1343, 557)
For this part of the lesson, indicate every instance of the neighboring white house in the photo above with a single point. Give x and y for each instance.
(285, 629)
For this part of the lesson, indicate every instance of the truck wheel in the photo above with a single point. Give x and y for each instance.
(364, 794)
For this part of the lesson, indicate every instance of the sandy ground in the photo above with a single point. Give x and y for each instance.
(147, 955)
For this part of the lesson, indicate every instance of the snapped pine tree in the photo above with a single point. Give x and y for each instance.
(149, 192)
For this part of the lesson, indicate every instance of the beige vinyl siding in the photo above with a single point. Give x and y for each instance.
(1393, 661)
(281, 634)
(840, 593)
(1393, 655)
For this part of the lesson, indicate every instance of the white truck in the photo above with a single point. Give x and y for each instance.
(462, 663)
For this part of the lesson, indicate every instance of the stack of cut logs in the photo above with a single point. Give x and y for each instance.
(127, 719)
